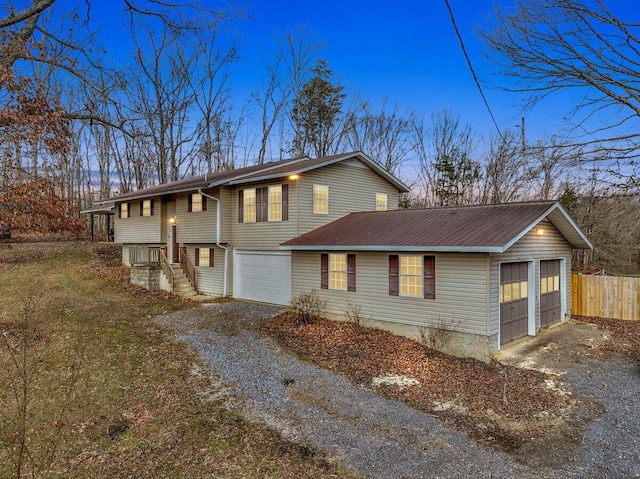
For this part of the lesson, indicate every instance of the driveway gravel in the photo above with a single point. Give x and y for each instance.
(382, 438)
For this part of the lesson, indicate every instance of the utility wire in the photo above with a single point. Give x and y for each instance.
(475, 77)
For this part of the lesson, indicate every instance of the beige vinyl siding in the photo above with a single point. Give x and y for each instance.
(461, 293)
(265, 235)
(139, 229)
(531, 247)
(352, 187)
(226, 200)
(210, 281)
(196, 227)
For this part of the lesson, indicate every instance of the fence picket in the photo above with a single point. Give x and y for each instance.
(605, 296)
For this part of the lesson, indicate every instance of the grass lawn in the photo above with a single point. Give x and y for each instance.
(90, 386)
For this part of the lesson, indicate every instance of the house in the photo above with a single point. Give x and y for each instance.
(491, 274)
(223, 230)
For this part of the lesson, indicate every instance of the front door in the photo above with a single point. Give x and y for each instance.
(175, 253)
(514, 301)
(549, 292)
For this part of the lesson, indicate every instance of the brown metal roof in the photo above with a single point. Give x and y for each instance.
(275, 169)
(469, 228)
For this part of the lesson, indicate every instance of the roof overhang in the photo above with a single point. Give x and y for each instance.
(106, 209)
(435, 249)
(563, 223)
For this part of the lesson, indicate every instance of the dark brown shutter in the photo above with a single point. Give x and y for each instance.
(141, 207)
(240, 206)
(151, 201)
(285, 202)
(196, 258)
(120, 210)
(211, 263)
(204, 203)
(190, 204)
(351, 272)
(258, 205)
(128, 209)
(324, 271)
(263, 206)
(394, 286)
(430, 277)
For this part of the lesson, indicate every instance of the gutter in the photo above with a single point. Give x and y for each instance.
(225, 290)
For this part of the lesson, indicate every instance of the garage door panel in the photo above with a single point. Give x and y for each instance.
(514, 302)
(262, 276)
(550, 299)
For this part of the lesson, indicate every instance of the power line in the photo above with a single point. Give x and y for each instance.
(475, 77)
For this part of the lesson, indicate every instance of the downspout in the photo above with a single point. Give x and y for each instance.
(225, 291)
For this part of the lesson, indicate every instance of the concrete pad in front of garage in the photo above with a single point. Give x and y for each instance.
(555, 350)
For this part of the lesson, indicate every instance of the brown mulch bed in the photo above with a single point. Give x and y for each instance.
(625, 335)
(491, 401)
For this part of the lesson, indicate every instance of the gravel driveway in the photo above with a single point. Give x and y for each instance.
(381, 438)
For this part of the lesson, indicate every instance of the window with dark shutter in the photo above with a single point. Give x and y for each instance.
(151, 203)
(196, 258)
(351, 272)
(190, 204)
(394, 289)
(240, 206)
(430, 277)
(204, 203)
(324, 271)
(285, 202)
(211, 263)
(262, 200)
(141, 207)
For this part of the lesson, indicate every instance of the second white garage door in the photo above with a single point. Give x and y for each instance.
(262, 276)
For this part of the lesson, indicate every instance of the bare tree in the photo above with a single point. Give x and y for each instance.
(581, 47)
(384, 135)
(503, 176)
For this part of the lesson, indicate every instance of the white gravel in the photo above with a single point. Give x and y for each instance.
(381, 438)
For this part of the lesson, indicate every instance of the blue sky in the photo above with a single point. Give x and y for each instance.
(405, 50)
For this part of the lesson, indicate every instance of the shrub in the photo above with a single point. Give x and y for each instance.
(307, 305)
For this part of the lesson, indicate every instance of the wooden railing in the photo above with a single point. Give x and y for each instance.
(615, 297)
(166, 268)
(188, 267)
(148, 255)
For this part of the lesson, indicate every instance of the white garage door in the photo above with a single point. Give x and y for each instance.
(262, 276)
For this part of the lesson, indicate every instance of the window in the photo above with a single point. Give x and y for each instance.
(550, 284)
(338, 271)
(412, 276)
(275, 203)
(321, 199)
(124, 210)
(268, 203)
(146, 208)
(381, 202)
(249, 205)
(204, 257)
(197, 203)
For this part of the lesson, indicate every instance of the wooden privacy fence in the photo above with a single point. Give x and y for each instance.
(605, 296)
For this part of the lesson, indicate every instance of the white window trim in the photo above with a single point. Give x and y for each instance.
(206, 252)
(146, 208)
(382, 206)
(194, 203)
(270, 203)
(342, 272)
(246, 206)
(317, 201)
(420, 276)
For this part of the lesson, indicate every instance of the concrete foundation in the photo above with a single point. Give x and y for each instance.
(456, 343)
(146, 276)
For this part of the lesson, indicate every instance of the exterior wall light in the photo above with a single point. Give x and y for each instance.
(293, 177)
(540, 231)
(172, 220)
